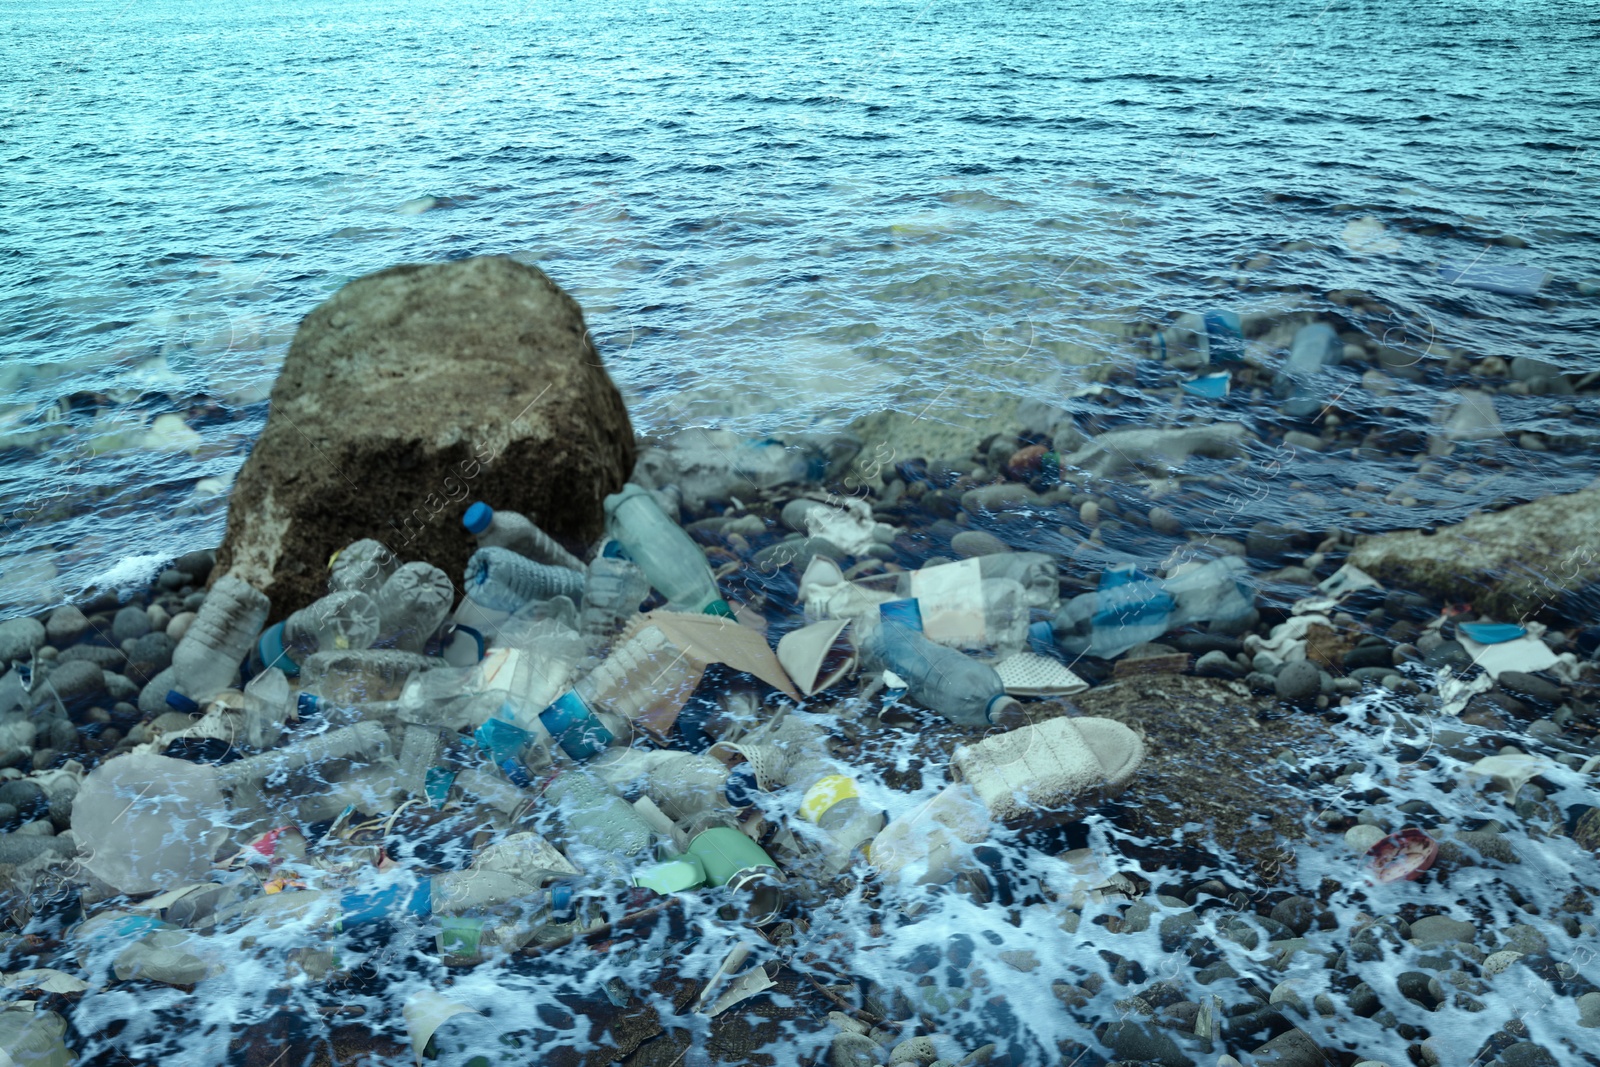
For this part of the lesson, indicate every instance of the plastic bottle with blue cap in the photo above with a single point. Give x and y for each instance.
(941, 679)
(670, 559)
(507, 529)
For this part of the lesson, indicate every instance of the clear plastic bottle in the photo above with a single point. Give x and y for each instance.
(1037, 573)
(1129, 609)
(593, 815)
(339, 622)
(681, 784)
(939, 678)
(362, 566)
(266, 708)
(1196, 340)
(1215, 591)
(363, 741)
(507, 529)
(501, 580)
(639, 676)
(207, 660)
(360, 677)
(1301, 384)
(612, 594)
(412, 605)
(668, 556)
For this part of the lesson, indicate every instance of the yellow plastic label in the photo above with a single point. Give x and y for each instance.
(825, 794)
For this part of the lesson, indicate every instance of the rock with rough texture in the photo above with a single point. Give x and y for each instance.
(1438, 929)
(130, 622)
(65, 626)
(1509, 564)
(411, 393)
(20, 638)
(1298, 680)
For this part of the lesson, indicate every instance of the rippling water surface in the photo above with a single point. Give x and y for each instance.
(778, 216)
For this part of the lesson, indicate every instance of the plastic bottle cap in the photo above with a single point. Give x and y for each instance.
(719, 607)
(999, 704)
(178, 702)
(741, 788)
(906, 612)
(614, 550)
(478, 518)
(308, 704)
(273, 654)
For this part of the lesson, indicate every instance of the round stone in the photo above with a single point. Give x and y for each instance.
(1299, 680)
(1361, 838)
(65, 626)
(19, 639)
(130, 622)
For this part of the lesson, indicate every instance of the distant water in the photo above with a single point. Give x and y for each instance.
(777, 215)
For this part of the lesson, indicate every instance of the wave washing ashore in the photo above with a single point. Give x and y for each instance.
(809, 751)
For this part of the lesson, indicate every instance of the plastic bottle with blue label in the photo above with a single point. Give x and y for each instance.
(1129, 609)
(507, 529)
(670, 559)
(939, 678)
(501, 580)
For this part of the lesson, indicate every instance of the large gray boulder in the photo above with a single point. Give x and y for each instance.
(1508, 564)
(406, 396)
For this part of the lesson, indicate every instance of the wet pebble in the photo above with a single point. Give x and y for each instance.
(1589, 1010)
(78, 682)
(180, 625)
(1360, 838)
(128, 623)
(1530, 687)
(1295, 912)
(18, 848)
(1299, 680)
(65, 626)
(1216, 664)
(19, 638)
(853, 1050)
(970, 543)
(1439, 929)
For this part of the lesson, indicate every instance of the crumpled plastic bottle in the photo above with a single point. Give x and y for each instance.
(207, 660)
(501, 580)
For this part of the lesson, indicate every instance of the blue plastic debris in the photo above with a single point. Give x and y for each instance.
(1210, 386)
(1492, 633)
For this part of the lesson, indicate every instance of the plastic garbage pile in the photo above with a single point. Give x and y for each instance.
(534, 759)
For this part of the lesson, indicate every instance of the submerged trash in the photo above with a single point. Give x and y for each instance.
(1402, 856)
(1508, 279)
